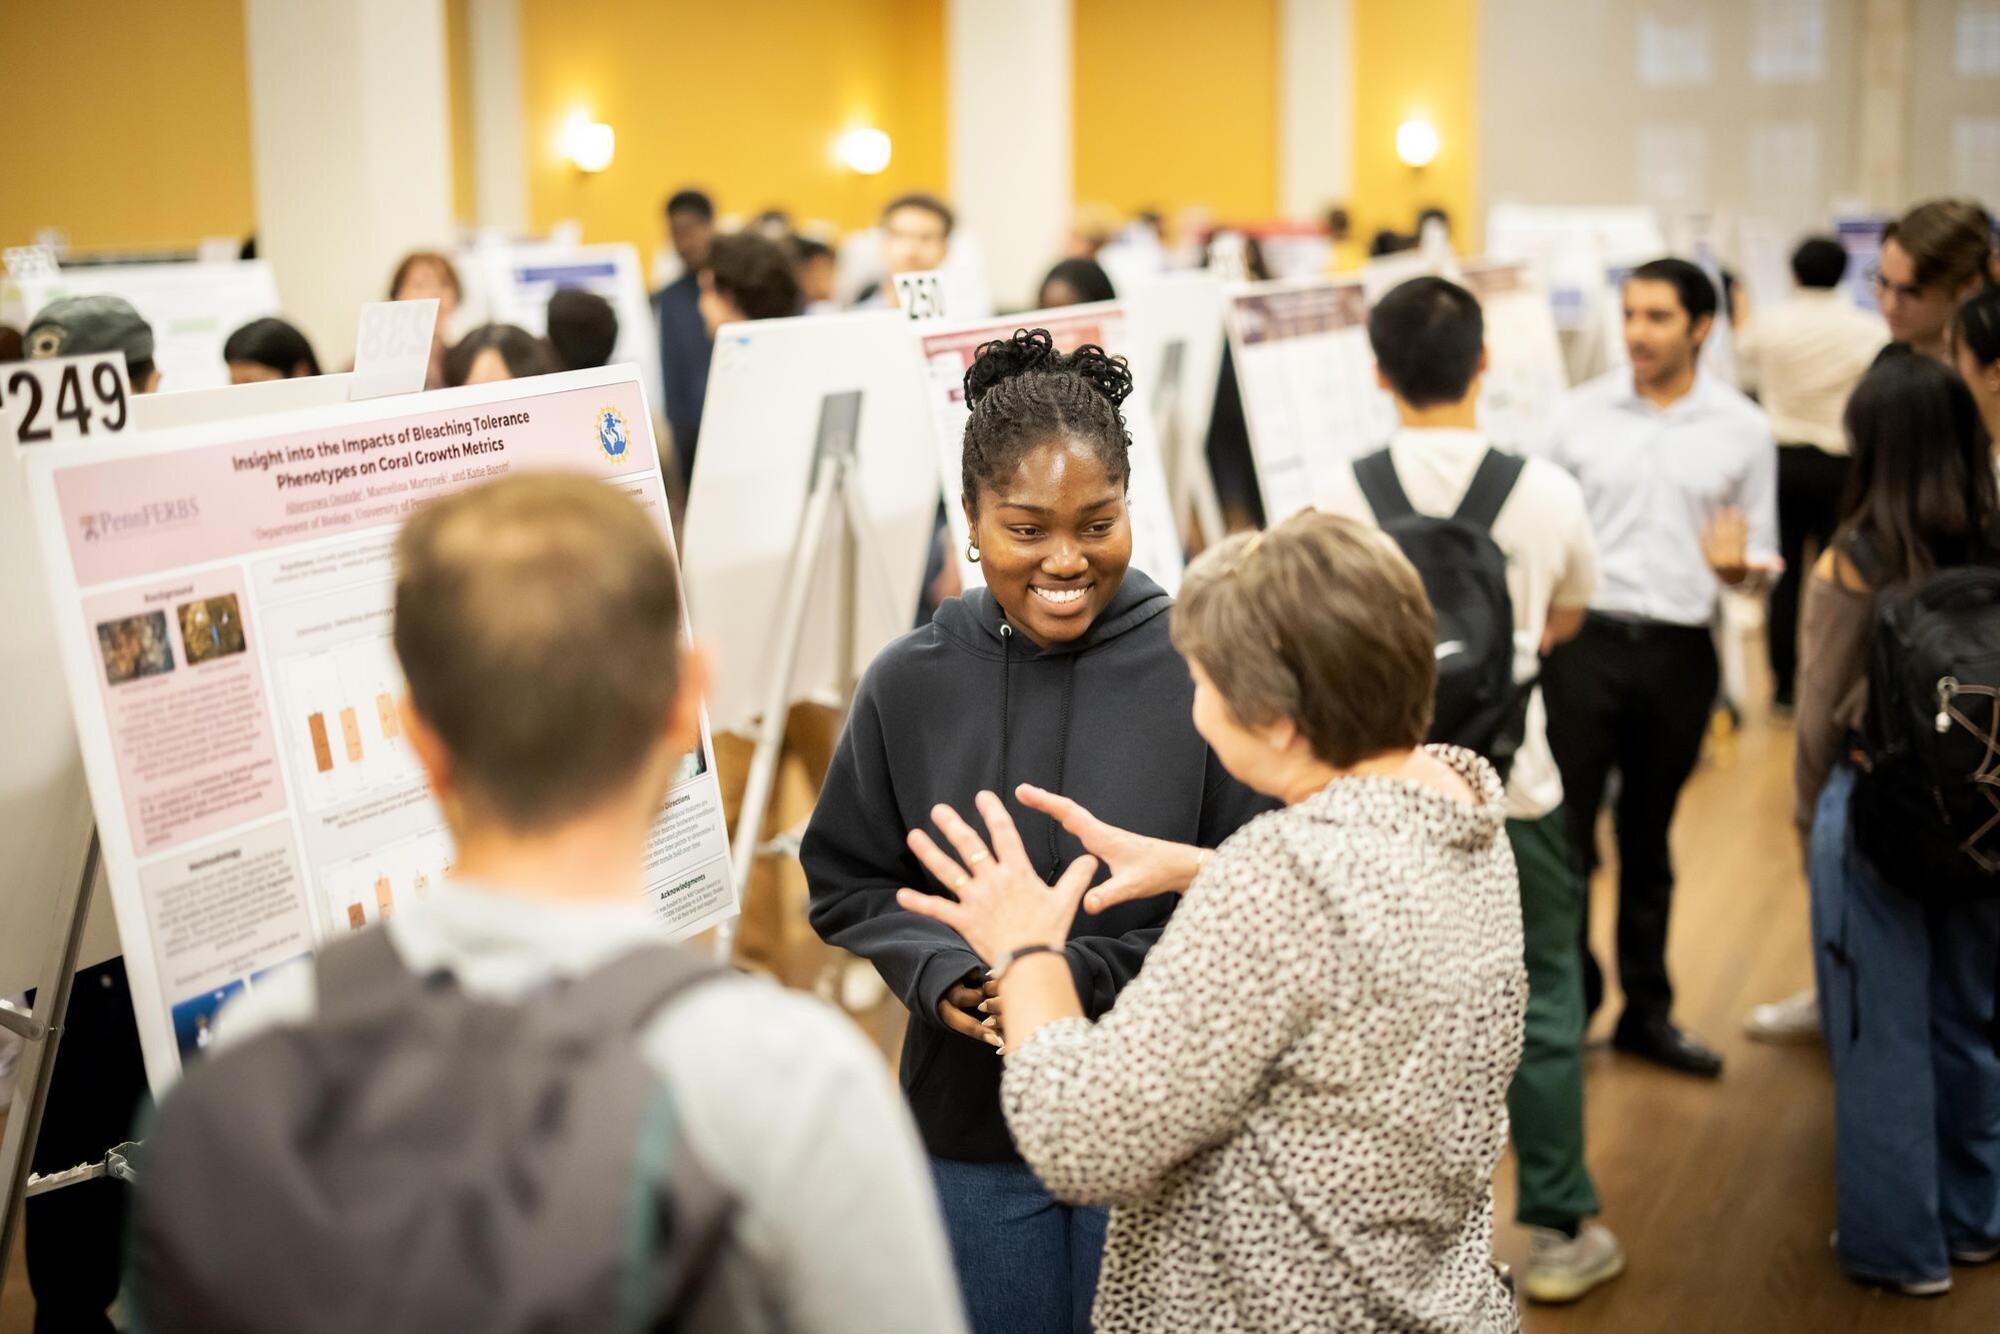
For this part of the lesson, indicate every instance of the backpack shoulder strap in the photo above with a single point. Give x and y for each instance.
(1865, 559)
(1375, 474)
(619, 997)
(361, 975)
(1489, 489)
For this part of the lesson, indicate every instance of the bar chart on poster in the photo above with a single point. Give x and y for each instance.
(340, 703)
(371, 888)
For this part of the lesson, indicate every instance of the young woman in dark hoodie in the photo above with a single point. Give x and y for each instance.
(1058, 673)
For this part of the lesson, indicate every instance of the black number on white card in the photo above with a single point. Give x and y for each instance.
(70, 403)
(29, 433)
(110, 392)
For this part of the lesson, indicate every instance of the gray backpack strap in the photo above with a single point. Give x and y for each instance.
(361, 976)
(620, 997)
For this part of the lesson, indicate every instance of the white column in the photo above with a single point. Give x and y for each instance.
(1011, 174)
(1315, 106)
(1884, 112)
(499, 150)
(350, 134)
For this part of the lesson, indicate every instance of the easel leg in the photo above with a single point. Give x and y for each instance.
(38, 1059)
(778, 695)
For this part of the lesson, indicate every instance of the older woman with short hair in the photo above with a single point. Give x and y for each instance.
(1297, 1106)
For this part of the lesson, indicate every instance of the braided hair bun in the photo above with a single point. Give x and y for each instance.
(1023, 392)
(1032, 350)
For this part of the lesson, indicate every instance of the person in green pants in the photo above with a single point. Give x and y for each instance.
(1429, 338)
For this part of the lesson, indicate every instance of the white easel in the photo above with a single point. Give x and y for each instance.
(833, 499)
(810, 517)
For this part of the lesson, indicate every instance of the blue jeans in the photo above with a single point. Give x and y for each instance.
(1027, 1261)
(1907, 999)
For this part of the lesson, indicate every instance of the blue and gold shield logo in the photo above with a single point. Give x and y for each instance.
(613, 436)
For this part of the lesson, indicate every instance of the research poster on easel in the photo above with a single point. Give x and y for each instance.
(948, 351)
(224, 600)
(1308, 380)
(1524, 377)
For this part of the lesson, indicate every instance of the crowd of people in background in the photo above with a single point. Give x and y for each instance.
(1281, 948)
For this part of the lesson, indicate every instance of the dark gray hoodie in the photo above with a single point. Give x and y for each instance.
(967, 703)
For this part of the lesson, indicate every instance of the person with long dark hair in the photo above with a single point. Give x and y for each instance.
(1976, 348)
(1906, 983)
(268, 349)
(1057, 672)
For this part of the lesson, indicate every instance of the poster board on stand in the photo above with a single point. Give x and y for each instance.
(1177, 341)
(773, 386)
(947, 353)
(223, 599)
(1525, 377)
(511, 283)
(1308, 381)
(193, 309)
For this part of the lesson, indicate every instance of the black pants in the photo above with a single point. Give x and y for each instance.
(1635, 697)
(1810, 483)
(75, 1236)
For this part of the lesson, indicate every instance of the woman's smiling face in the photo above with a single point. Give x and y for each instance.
(1054, 540)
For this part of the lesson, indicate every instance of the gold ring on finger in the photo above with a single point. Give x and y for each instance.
(978, 857)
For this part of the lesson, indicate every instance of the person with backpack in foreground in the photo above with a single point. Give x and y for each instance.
(1679, 473)
(1505, 551)
(1900, 654)
(516, 1107)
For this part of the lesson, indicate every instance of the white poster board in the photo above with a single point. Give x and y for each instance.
(1177, 339)
(223, 601)
(1308, 378)
(948, 351)
(193, 309)
(1525, 378)
(775, 387)
(261, 398)
(511, 283)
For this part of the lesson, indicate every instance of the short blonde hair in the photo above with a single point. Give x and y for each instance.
(538, 625)
(1320, 620)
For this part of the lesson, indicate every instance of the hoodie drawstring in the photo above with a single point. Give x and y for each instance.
(1062, 732)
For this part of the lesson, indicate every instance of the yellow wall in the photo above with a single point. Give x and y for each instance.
(701, 95)
(458, 68)
(1176, 105)
(142, 142)
(1416, 58)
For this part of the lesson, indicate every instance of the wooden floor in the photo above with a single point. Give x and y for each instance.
(1722, 1193)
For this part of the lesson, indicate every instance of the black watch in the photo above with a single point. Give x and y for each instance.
(1007, 960)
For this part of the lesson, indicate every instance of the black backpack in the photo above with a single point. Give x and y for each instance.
(1926, 805)
(1479, 706)
(421, 1160)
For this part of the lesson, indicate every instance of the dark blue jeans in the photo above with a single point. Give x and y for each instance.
(1027, 1261)
(1906, 997)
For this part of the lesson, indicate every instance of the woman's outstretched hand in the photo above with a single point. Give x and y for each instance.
(1141, 867)
(1001, 904)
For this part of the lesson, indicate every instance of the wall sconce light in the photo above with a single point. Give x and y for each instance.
(588, 143)
(1417, 142)
(863, 151)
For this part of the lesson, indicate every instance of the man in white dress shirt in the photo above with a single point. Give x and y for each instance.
(1680, 476)
(1807, 354)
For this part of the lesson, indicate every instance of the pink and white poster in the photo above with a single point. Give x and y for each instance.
(224, 600)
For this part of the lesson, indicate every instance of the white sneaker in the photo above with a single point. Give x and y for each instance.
(1794, 1019)
(1562, 1269)
(1985, 1255)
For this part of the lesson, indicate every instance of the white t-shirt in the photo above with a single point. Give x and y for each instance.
(1543, 530)
(837, 1228)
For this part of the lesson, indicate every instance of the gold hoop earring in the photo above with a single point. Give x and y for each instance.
(971, 552)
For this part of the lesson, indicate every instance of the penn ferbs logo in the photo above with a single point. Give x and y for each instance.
(98, 525)
(614, 437)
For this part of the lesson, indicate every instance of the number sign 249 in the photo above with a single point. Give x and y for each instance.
(65, 398)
